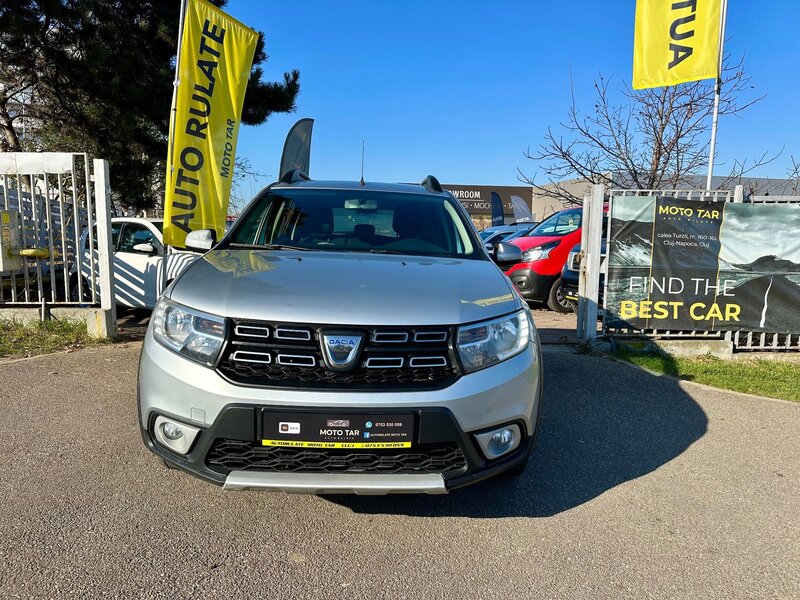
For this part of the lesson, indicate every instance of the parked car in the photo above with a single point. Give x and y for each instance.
(514, 228)
(138, 262)
(522, 231)
(545, 249)
(503, 233)
(343, 337)
(570, 275)
(487, 233)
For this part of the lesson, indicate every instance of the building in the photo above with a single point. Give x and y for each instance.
(545, 204)
(477, 199)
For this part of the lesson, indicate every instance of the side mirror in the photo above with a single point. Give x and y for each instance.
(145, 248)
(489, 248)
(201, 240)
(507, 254)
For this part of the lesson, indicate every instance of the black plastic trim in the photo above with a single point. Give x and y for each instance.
(431, 183)
(536, 286)
(433, 425)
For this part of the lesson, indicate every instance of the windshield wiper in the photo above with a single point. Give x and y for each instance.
(271, 247)
(381, 251)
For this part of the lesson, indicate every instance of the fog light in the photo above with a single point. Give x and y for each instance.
(171, 431)
(502, 438)
(498, 442)
(174, 435)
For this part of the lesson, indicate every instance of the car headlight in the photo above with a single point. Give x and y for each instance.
(482, 345)
(190, 333)
(539, 252)
(573, 262)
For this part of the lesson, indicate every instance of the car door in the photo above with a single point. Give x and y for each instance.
(136, 268)
(89, 262)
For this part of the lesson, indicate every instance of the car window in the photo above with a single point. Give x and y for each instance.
(115, 229)
(559, 224)
(357, 221)
(136, 233)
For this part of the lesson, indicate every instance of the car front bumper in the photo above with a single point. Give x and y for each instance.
(570, 290)
(176, 388)
(531, 285)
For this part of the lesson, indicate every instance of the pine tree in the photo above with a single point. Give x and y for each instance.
(96, 76)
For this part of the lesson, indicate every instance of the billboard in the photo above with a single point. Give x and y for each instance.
(703, 266)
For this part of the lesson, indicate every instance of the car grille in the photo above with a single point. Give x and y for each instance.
(234, 455)
(289, 355)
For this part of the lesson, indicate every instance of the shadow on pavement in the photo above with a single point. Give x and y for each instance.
(603, 423)
(132, 323)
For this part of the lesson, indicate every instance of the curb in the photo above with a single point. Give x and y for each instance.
(700, 385)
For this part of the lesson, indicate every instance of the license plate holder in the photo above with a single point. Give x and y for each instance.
(333, 430)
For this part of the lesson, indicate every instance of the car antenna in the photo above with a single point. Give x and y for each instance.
(363, 149)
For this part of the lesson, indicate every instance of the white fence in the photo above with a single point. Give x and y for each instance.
(58, 197)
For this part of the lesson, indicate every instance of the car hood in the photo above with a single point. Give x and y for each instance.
(528, 242)
(344, 289)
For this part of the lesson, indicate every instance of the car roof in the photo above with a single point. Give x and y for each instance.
(135, 220)
(400, 188)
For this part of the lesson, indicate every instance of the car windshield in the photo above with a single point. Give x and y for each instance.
(356, 221)
(560, 223)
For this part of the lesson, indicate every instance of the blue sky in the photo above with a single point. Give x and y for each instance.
(461, 89)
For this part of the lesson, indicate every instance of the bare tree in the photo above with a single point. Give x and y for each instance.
(652, 139)
(793, 175)
(243, 173)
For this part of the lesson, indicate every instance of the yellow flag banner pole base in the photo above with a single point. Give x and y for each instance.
(216, 55)
(675, 41)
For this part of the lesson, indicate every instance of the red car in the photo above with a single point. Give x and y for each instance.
(544, 253)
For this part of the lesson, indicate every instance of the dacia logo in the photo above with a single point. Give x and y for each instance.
(341, 351)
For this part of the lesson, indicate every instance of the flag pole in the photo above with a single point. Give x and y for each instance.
(717, 93)
(171, 151)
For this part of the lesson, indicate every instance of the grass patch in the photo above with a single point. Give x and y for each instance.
(19, 339)
(770, 378)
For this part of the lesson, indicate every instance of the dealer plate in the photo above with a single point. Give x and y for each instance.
(335, 430)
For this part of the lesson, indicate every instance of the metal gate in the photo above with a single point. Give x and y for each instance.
(56, 214)
(741, 340)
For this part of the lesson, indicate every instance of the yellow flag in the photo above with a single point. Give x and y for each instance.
(216, 54)
(675, 41)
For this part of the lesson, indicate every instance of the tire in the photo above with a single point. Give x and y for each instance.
(555, 299)
(73, 290)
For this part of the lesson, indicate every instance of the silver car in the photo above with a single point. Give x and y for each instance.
(343, 337)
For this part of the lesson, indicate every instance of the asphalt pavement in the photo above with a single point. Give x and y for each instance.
(640, 487)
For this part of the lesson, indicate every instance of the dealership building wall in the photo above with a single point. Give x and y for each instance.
(477, 199)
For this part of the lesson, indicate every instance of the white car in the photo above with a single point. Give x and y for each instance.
(138, 256)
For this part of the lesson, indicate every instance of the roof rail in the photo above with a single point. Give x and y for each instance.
(294, 176)
(431, 183)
